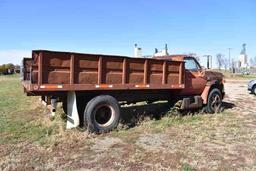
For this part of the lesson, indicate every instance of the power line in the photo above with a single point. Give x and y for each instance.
(209, 61)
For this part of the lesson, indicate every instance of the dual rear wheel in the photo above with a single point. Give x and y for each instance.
(102, 114)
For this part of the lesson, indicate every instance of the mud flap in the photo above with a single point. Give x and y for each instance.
(72, 113)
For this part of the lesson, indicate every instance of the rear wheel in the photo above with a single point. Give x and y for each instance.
(214, 101)
(102, 114)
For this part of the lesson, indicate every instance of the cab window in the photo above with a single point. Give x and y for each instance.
(191, 64)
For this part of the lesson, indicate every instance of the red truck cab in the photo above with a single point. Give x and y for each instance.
(199, 81)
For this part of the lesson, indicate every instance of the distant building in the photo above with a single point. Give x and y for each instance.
(164, 52)
(243, 58)
(237, 64)
(137, 51)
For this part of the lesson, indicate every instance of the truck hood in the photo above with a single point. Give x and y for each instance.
(212, 75)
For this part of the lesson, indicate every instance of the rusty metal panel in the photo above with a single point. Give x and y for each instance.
(27, 67)
(135, 70)
(173, 72)
(75, 71)
(35, 60)
(156, 71)
(56, 68)
(72, 69)
(112, 70)
(86, 69)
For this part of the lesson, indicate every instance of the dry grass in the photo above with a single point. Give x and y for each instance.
(31, 141)
(236, 76)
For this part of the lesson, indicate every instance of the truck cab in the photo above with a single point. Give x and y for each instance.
(195, 82)
(201, 84)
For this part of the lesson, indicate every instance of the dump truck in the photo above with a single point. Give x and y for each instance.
(91, 87)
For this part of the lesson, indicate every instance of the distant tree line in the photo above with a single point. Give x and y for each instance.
(222, 61)
(253, 61)
(9, 69)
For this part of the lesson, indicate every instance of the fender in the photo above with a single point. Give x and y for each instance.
(207, 89)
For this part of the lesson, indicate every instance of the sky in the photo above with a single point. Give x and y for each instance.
(204, 27)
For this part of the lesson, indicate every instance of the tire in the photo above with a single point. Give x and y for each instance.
(214, 101)
(254, 90)
(102, 114)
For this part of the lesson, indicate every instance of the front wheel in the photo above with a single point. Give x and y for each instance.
(214, 101)
(102, 114)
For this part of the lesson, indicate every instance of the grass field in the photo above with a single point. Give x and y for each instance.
(20, 116)
(229, 75)
(30, 140)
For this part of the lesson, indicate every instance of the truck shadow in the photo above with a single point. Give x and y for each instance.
(227, 105)
(134, 115)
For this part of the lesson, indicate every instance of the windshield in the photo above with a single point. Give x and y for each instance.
(191, 64)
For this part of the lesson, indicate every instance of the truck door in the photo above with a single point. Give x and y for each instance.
(194, 83)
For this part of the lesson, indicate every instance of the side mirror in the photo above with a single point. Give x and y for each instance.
(202, 71)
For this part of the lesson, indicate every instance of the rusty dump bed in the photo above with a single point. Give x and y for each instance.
(65, 71)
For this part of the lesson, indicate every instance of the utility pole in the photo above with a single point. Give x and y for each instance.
(229, 49)
(209, 60)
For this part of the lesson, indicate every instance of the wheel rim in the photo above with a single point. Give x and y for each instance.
(104, 115)
(215, 102)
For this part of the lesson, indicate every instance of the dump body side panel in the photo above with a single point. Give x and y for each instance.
(26, 68)
(63, 71)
